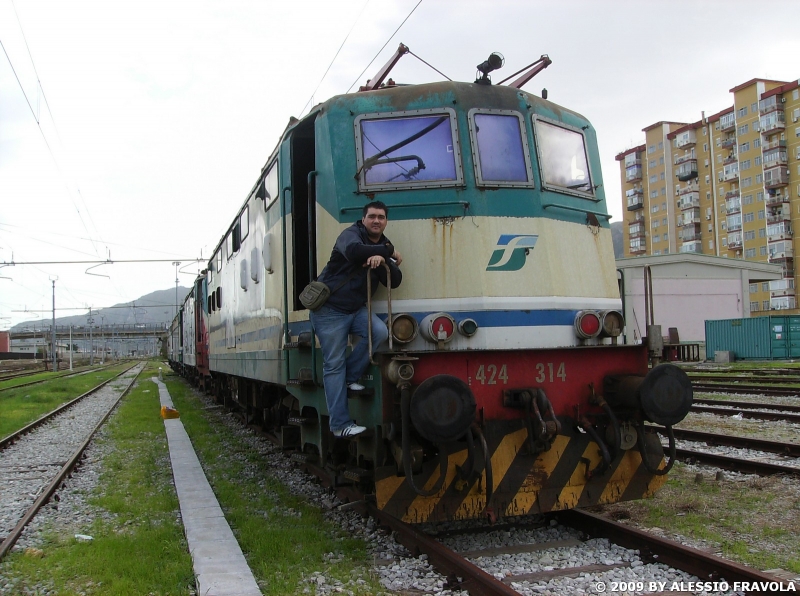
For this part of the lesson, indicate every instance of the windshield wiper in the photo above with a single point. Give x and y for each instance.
(368, 163)
(577, 186)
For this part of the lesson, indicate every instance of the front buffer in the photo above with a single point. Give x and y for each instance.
(469, 448)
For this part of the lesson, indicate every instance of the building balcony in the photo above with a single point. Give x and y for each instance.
(728, 142)
(687, 218)
(779, 231)
(770, 104)
(732, 174)
(638, 218)
(783, 303)
(732, 158)
(780, 252)
(733, 205)
(685, 157)
(689, 201)
(636, 230)
(774, 157)
(633, 159)
(776, 177)
(732, 194)
(773, 145)
(781, 287)
(689, 233)
(733, 227)
(635, 202)
(772, 122)
(778, 216)
(633, 174)
(777, 198)
(693, 246)
(735, 240)
(685, 139)
(638, 246)
(687, 170)
(727, 122)
(692, 186)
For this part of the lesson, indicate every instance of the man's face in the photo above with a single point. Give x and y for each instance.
(375, 221)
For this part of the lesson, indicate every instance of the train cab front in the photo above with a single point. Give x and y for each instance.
(519, 432)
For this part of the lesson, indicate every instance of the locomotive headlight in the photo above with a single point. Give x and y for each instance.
(612, 323)
(467, 327)
(438, 327)
(588, 324)
(404, 328)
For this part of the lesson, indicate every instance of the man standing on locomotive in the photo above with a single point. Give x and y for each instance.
(360, 250)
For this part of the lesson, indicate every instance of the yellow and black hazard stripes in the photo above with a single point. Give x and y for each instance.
(523, 483)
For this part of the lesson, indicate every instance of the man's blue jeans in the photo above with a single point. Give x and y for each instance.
(332, 328)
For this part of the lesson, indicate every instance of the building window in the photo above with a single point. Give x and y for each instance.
(763, 251)
(765, 305)
(753, 288)
(653, 194)
(757, 160)
(750, 234)
(656, 252)
(654, 209)
(661, 144)
(661, 160)
(744, 147)
(743, 129)
(765, 286)
(747, 200)
(708, 179)
(756, 125)
(661, 177)
(754, 107)
(750, 253)
(748, 217)
(795, 95)
(754, 306)
(741, 112)
(744, 165)
(655, 223)
(747, 182)
(762, 233)
(759, 196)
(759, 178)
(756, 143)
(653, 179)
(656, 238)
(761, 214)
(664, 221)
(652, 163)
(651, 149)
(708, 195)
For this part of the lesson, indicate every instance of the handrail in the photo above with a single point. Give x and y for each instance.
(388, 307)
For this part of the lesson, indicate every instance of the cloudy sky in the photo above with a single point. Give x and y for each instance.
(135, 129)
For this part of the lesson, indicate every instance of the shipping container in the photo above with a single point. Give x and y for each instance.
(759, 338)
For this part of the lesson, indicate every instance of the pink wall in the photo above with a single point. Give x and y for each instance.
(5, 343)
(684, 303)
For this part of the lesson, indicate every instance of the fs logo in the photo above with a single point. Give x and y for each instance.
(511, 252)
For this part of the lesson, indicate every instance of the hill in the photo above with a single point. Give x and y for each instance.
(616, 237)
(156, 307)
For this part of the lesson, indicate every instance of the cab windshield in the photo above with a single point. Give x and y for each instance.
(562, 158)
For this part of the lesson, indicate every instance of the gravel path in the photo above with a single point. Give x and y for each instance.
(31, 463)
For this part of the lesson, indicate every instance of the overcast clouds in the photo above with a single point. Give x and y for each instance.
(165, 111)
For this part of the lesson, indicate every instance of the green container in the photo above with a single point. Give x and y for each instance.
(758, 338)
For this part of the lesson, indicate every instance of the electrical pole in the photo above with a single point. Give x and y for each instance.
(176, 263)
(70, 347)
(55, 356)
(90, 322)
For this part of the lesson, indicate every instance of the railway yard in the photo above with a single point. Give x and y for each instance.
(110, 523)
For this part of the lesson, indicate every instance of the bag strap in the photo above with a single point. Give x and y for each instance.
(344, 281)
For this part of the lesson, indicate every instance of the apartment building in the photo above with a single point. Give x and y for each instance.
(727, 185)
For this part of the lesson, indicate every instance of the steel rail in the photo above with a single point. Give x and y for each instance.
(735, 464)
(51, 488)
(714, 440)
(706, 566)
(750, 414)
(62, 376)
(460, 573)
(747, 405)
(6, 441)
(746, 389)
(728, 379)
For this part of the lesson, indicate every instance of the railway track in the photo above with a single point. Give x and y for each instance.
(56, 376)
(33, 465)
(751, 411)
(745, 389)
(475, 572)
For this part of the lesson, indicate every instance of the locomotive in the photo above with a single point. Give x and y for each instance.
(505, 389)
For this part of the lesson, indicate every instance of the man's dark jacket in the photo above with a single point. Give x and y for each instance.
(352, 249)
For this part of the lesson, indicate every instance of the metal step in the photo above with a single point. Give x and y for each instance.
(303, 341)
(305, 379)
(357, 474)
(365, 392)
(300, 421)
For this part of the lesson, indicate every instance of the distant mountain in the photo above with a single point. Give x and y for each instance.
(616, 237)
(156, 307)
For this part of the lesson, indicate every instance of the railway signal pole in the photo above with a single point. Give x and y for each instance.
(55, 356)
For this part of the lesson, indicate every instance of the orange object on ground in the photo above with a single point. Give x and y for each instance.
(167, 413)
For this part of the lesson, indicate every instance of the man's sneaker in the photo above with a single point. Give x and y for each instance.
(356, 387)
(349, 431)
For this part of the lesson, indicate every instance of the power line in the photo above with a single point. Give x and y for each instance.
(105, 262)
(384, 45)
(310, 99)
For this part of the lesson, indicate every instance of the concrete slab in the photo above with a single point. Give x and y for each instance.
(219, 565)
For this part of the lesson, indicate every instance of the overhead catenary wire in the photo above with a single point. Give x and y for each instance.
(310, 99)
(358, 78)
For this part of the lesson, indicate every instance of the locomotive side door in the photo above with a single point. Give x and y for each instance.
(303, 157)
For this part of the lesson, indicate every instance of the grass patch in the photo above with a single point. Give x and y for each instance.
(283, 537)
(138, 545)
(754, 521)
(19, 407)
